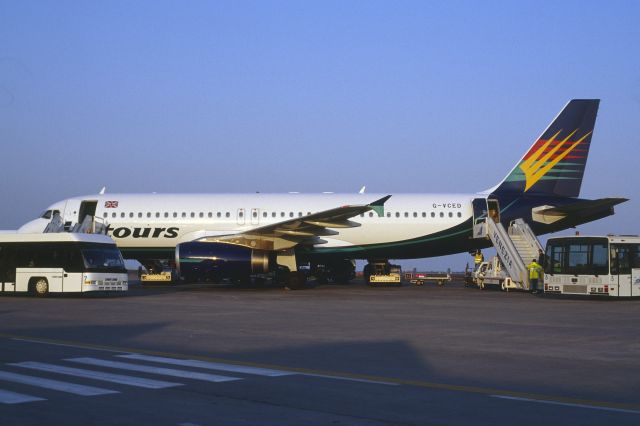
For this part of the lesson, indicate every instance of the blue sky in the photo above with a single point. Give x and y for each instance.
(278, 96)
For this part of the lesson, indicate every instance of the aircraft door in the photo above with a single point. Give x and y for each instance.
(240, 217)
(255, 216)
(494, 210)
(479, 210)
(479, 217)
(70, 216)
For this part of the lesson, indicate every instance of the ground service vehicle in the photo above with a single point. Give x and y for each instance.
(382, 273)
(492, 273)
(60, 263)
(419, 278)
(606, 266)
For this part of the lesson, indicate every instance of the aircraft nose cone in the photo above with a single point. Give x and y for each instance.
(35, 226)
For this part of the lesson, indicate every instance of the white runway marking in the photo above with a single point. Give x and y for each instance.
(568, 404)
(98, 375)
(54, 384)
(210, 365)
(8, 397)
(154, 370)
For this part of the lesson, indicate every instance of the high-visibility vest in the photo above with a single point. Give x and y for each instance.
(534, 270)
(478, 258)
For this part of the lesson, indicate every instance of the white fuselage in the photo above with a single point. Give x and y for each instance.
(164, 220)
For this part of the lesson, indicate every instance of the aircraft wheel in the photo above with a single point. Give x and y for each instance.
(297, 281)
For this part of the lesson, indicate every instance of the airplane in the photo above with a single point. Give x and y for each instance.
(234, 236)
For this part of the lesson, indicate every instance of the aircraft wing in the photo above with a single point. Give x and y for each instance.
(300, 230)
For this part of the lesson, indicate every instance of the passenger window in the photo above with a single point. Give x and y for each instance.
(184, 214)
(255, 214)
(122, 214)
(433, 214)
(459, 214)
(424, 214)
(441, 214)
(397, 214)
(210, 214)
(240, 214)
(450, 214)
(227, 214)
(113, 214)
(157, 214)
(166, 214)
(193, 214)
(148, 214)
(106, 215)
(201, 215)
(219, 214)
(264, 214)
(388, 214)
(415, 214)
(281, 214)
(131, 215)
(139, 214)
(406, 214)
(370, 214)
(290, 214)
(273, 214)
(175, 214)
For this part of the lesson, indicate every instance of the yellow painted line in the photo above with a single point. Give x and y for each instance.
(491, 392)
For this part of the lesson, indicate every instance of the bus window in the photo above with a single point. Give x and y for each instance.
(635, 256)
(554, 259)
(578, 258)
(102, 258)
(620, 259)
(599, 259)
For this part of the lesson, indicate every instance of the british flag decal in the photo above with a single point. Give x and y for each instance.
(110, 204)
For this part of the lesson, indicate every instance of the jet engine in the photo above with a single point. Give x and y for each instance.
(200, 261)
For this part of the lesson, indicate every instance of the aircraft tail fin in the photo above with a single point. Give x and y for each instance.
(555, 163)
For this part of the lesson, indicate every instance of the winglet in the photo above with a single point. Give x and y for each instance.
(378, 205)
(362, 190)
(102, 191)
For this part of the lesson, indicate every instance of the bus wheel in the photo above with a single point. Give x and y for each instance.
(40, 286)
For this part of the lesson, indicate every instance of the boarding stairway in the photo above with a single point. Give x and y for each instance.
(89, 225)
(516, 247)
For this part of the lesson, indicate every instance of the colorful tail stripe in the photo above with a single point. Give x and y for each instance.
(555, 164)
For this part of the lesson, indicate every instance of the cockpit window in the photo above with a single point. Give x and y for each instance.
(49, 214)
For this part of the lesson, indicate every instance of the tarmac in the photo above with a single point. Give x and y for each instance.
(334, 354)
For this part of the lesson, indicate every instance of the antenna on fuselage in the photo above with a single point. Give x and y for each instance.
(362, 190)
(104, 188)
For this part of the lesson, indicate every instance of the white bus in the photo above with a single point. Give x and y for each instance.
(60, 263)
(606, 266)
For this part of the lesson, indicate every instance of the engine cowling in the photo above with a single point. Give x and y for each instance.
(199, 261)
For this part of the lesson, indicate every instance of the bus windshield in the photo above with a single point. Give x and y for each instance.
(101, 258)
(577, 256)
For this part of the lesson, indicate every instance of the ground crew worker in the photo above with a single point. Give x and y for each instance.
(534, 274)
(478, 258)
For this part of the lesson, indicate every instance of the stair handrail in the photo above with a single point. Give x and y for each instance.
(508, 253)
(520, 227)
